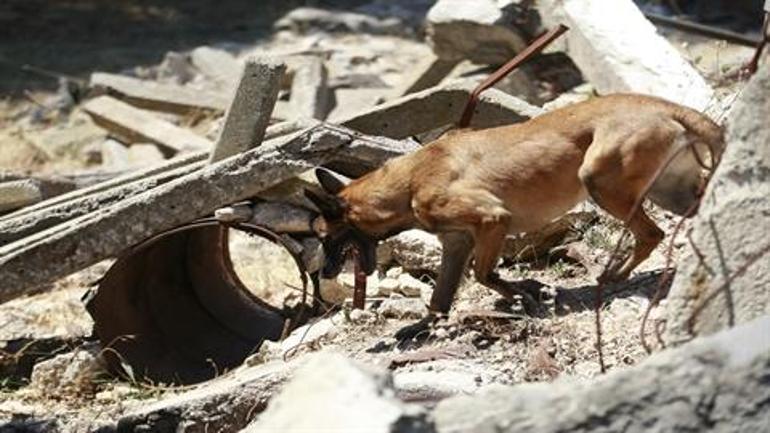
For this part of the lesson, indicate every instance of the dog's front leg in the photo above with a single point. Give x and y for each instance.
(489, 241)
(456, 249)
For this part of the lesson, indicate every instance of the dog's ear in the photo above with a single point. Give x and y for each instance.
(331, 182)
(331, 207)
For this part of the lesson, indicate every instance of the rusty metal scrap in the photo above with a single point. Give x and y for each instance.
(173, 310)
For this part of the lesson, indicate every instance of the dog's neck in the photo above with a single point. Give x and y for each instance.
(379, 204)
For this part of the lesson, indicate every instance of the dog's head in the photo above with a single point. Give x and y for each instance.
(338, 236)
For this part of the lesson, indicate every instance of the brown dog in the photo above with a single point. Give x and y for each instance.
(474, 187)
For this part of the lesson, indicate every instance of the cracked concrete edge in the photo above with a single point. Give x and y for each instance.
(85, 240)
(711, 384)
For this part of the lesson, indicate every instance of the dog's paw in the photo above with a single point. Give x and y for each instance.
(417, 329)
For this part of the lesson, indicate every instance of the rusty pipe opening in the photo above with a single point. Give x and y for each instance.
(173, 310)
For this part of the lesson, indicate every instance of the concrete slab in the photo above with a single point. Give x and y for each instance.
(135, 125)
(618, 50)
(250, 109)
(80, 242)
(310, 93)
(152, 95)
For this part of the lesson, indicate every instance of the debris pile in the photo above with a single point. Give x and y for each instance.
(183, 224)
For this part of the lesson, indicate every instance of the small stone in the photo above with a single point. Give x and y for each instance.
(416, 250)
(310, 334)
(411, 286)
(403, 308)
(346, 281)
(441, 333)
(394, 272)
(176, 67)
(19, 193)
(269, 350)
(362, 316)
(73, 372)
(387, 286)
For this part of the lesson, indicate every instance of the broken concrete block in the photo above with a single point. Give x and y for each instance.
(580, 93)
(724, 279)
(115, 155)
(350, 102)
(403, 308)
(331, 393)
(310, 20)
(50, 185)
(415, 250)
(249, 113)
(310, 94)
(434, 385)
(152, 95)
(618, 50)
(144, 154)
(386, 287)
(427, 73)
(344, 286)
(133, 124)
(479, 31)
(175, 67)
(19, 193)
(282, 217)
(712, 384)
(80, 242)
(411, 286)
(227, 403)
(68, 140)
(218, 65)
(310, 334)
(440, 106)
(59, 209)
(74, 372)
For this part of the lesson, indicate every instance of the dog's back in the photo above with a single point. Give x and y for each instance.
(533, 166)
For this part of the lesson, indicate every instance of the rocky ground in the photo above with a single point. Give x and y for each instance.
(485, 340)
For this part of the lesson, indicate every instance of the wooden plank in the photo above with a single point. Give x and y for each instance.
(135, 125)
(159, 96)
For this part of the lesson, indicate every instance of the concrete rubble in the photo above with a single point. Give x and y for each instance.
(334, 394)
(618, 50)
(73, 372)
(92, 237)
(18, 193)
(249, 113)
(713, 384)
(227, 403)
(309, 20)
(234, 131)
(152, 95)
(217, 65)
(724, 280)
(478, 31)
(133, 124)
(310, 94)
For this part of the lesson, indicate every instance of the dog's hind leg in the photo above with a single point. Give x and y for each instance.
(616, 175)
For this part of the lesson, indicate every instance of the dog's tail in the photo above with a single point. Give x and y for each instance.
(707, 131)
